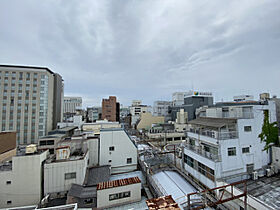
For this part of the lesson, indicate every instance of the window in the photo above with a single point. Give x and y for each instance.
(70, 175)
(112, 148)
(246, 150)
(206, 171)
(119, 195)
(109, 161)
(8, 182)
(129, 160)
(9, 202)
(188, 160)
(88, 201)
(232, 151)
(247, 128)
(50, 142)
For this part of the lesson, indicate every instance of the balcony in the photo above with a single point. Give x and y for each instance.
(200, 151)
(215, 134)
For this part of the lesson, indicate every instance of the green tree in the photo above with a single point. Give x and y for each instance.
(269, 133)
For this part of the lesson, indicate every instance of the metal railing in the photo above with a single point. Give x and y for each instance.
(215, 134)
(200, 151)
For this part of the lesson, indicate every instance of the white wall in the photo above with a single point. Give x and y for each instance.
(276, 157)
(234, 165)
(237, 164)
(92, 145)
(123, 149)
(214, 112)
(25, 188)
(103, 195)
(54, 174)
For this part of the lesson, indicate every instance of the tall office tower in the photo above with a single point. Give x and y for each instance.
(31, 100)
(111, 109)
(70, 106)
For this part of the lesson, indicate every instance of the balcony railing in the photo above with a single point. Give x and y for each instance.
(200, 151)
(215, 134)
(244, 115)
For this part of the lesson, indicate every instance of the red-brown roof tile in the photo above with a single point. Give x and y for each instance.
(118, 183)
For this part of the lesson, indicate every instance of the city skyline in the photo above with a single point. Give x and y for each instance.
(131, 49)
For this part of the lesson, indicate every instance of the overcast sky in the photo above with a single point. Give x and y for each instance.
(138, 49)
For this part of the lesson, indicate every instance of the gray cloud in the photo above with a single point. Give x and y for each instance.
(147, 49)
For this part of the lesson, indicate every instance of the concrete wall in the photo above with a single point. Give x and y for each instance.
(93, 145)
(103, 195)
(26, 181)
(123, 149)
(276, 157)
(54, 174)
(6, 156)
(95, 127)
(146, 121)
(7, 141)
(214, 112)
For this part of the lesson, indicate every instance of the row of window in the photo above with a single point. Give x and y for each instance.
(200, 167)
(46, 142)
(27, 75)
(121, 195)
(232, 151)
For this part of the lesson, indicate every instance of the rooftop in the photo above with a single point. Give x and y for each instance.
(213, 122)
(96, 175)
(80, 191)
(28, 67)
(56, 135)
(165, 202)
(118, 183)
(63, 130)
(266, 189)
(111, 129)
(239, 103)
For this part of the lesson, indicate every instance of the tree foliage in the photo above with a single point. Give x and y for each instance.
(269, 133)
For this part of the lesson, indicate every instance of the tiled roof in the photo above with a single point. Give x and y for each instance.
(165, 202)
(118, 183)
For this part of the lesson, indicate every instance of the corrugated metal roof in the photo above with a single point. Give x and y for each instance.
(165, 202)
(118, 183)
(212, 122)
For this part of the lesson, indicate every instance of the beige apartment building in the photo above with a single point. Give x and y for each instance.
(31, 100)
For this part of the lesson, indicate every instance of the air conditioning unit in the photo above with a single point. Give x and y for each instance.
(273, 169)
(255, 175)
(276, 169)
(268, 172)
(30, 149)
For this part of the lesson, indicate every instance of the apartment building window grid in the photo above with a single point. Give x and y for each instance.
(43, 114)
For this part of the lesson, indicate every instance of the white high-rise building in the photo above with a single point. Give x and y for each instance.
(178, 98)
(31, 101)
(71, 104)
(161, 108)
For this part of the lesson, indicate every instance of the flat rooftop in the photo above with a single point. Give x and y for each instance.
(97, 174)
(80, 191)
(266, 189)
(212, 122)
